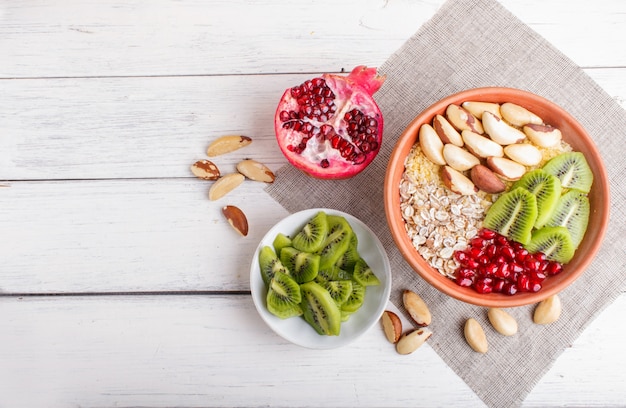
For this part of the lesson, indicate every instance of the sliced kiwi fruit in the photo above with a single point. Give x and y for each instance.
(349, 258)
(302, 266)
(513, 215)
(364, 275)
(572, 169)
(572, 212)
(280, 241)
(336, 242)
(311, 237)
(356, 298)
(547, 190)
(319, 309)
(554, 242)
(339, 290)
(332, 274)
(269, 264)
(284, 296)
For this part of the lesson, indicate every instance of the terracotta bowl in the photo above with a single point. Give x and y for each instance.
(572, 132)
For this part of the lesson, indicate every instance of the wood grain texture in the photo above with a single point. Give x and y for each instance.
(200, 351)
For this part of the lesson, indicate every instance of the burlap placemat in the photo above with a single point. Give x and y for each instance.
(467, 45)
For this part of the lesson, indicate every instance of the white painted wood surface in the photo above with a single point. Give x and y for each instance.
(105, 104)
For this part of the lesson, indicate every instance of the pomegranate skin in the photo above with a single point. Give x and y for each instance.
(330, 127)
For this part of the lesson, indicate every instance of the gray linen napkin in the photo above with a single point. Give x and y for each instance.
(467, 45)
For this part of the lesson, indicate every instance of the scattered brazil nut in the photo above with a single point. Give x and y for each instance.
(205, 169)
(225, 185)
(502, 322)
(475, 336)
(416, 307)
(227, 144)
(392, 326)
(236, 218)
(255, 171)
(413, 340)
(548, 310)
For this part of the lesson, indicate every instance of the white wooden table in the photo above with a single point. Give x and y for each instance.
(120, 282)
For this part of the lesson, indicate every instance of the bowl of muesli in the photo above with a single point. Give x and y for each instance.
(497, 197)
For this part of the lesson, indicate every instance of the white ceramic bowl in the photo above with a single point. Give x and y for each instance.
(296, 329)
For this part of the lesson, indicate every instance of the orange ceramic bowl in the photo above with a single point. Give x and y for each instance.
(573, 133)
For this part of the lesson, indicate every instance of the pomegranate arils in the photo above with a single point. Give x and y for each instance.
(492, 263)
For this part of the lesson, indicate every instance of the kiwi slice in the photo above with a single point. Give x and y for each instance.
(319, 309)
(284, 296)
(349, 258)
(513, 215)
(339, 290)
(331, 274)
(547, 190)
(269, 264)
(554, 242)
(572, 170)
(302, 266)
(311, 237)
(280, 241)
(336, 242)
(364, 275)
(356, 298)
(572, 212)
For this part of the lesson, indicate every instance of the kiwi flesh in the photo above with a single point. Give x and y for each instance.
(554, 242)
(339, 290)
(572, 169)
(284, 296)
(269, 264)
(311, 237)
(349, 258)
(513, 215)
(280, 241)
(364, 275)
(547, 190)
(331, 274)
(319, 309)
(356, 298)
(572, 212)
(336, 242)
(302, 266)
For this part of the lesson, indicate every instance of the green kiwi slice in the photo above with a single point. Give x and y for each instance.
(269, 264)
(572, 170)
(513, 215)
(356, 298)
(331, 274)
(336, 242)
(572, 212)
(284, 296)
(547, 190)
(554, 242)
(319, 309)
(349, 258)
(302, 266)
(311, 237)
(364, 275)
(339, 290)
(280, 241)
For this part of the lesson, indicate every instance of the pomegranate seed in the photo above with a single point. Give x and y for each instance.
(461, 281)
(483, 285)
(502, 240)
(503, 271)
(487, 234)
(499, 285)
(540, 256)
(537, 276)
(507, 252)
(554, 268)
(516, 268)
(510, 289)
(491, 250)
(523, 283)
(474, 252)
(324, 163)
(460, 256)
(521, 254)
(358, 158)
(490, 269)
(534, 286)
(472, 263)
(477, 242)
(374, 145)
(532, 265)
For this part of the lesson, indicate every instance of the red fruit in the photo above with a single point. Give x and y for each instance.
(330, 127)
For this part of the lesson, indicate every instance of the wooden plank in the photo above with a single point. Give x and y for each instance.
(161, 351)
(120, 38)
(93, 128)
(128, 235)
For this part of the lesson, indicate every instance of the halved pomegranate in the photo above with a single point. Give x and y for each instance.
(330, 126)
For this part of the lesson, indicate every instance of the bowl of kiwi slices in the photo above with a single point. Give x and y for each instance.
(320, 278)
(497, 197)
